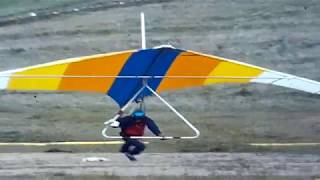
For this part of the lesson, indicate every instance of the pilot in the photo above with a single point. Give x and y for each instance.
(134, 125)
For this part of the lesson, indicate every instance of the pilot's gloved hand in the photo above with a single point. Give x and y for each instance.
(120, 112)
(115, 124)
(163, 137)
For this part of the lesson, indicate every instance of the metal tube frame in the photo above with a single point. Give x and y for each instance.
(109, 122)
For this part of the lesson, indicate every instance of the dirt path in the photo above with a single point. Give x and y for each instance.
(161, 164)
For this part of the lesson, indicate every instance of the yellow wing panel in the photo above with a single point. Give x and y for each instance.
(236, 72)
(47, 84)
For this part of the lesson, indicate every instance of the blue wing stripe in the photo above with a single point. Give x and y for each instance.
(153, 62)
(160, 67)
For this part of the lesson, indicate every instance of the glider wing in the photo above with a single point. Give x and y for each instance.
(121, 74)
(214, 70)
(75, 74)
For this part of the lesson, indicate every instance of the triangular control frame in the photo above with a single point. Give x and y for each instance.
(181, 117)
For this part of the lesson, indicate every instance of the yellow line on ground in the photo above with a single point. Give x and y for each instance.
(284, 144)
(62, 143)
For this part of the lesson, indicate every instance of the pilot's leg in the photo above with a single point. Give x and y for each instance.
(125, 146)
(128, 147)
(138, 147)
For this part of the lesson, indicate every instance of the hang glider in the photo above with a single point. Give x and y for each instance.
(120, 74)
(129, 75)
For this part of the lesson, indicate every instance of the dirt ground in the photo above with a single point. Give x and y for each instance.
(278, 34)
(160, 166)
